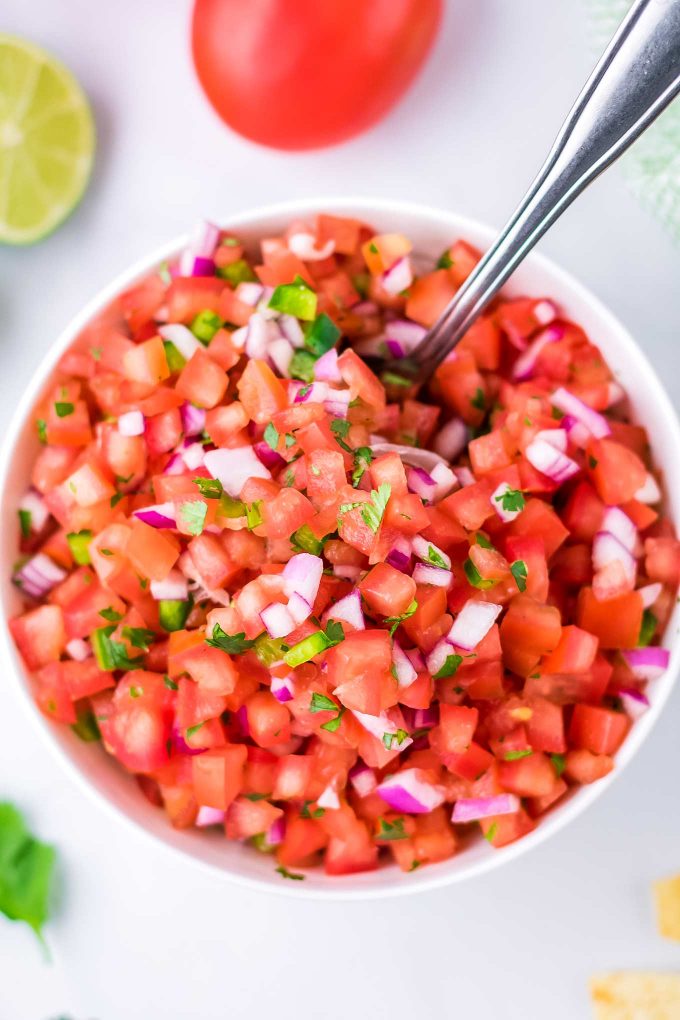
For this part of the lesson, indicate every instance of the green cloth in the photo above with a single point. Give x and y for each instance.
(652, 165)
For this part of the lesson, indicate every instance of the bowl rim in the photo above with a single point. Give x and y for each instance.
(335, 890)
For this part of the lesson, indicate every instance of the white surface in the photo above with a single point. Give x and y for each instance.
(138, 935)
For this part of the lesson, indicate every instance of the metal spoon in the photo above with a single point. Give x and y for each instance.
(636, 78)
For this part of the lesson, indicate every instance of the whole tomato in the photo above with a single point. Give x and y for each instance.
(301, 74)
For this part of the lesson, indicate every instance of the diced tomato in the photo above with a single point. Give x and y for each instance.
(615, 622)
(387, 591)
(217, 775)
(616, 471)
(600, 730)
(40, 635)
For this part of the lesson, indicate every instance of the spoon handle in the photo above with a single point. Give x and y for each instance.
(638, 75)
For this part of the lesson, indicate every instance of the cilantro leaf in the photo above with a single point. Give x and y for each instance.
(320, 703)
(518, 569)
(110, 614)
(254, 514)
(493, 829)
(481, 539)
(511, 500)
(560, 763)
(193, 514)
(26, 867)
(63, 408)
(444, 261)
(517, 755)
(436, 559)
(392, 830)
(334, 633)
(25, 517)
(41, 426)
(232, 644)
(318, 812)
(363, 457)
(396, 620)
(475, 578)
(340, 427)
(171, 684)
(209, 488)
(449, 668)
(389, 738)
(139, 637)
(479, 400)
(648, 628)
(285, 873)
(192, 730)
(271, 436)
(372, 513)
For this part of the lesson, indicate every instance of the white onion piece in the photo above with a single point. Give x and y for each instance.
(615, 393)
(261, 333)
(438, 656)
(329, 799)
(465, 476)
(446, 481)
(299, 608)
(239, 337)
(304, 246)
(550, 462)
(473, 623)
(347, 610)
(249, 293)
(556, 438)
(234, 467)
(607, 549)
(326, 367)
(182, 338)
(526, 362)
(403, 666)
(131, 423)
(172, 588)
(277, 620)
(78, 649)
(544, 312)
(472, 809)
(193, 455)
(379, 725)
(650, 492)
(208, 816)
(496, 501)
(634, 702)
(451, 439)
(280, 353)
(398, 277)
(650, 593)
(363, 780)
(347, 571)
(291, 329)
(424, 549)
(423, 573)
(34, 504)
(425, 459)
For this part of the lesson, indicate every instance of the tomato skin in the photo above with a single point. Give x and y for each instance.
(596, 729)
(345, 63)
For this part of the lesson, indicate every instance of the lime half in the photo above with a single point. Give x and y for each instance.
(46, 142)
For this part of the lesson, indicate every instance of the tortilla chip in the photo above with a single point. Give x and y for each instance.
(667, 901)
(635, 995)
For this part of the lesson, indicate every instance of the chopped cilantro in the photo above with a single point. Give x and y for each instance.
(518, 569)
(209, 488)
(435, 558)
(96, 353)
(340, 427)
(373, 248)
(363, 457)
(25, 518)
(170, 683)
(449, 668)
(255, 796)
(41, 425)
(493, 829)
(318, 812)
(232, 644)
(479, 400)
(475, 578)
(136, 692)
(193, 514)
(517, 755)
(302, 366)
(320, 703)
(560, 763)
(115, 500)
(395, 621)
(592, 462)
(414, 865)
(481, 539)
(192, 730)
(391, 830)
(139, 637)
(444, 261)
(26, 867)
(289, 440)
(389, 738)
(372, 512)
(64, 408)
(511, 500)
(254, 514)
(106, 552)
(110, 614)
(648, 628)
(271, 436)
(285, 873)
(304, 540)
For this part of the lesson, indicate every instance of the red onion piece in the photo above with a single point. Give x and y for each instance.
(347, 571)
(242, 720)
(472, 809)
(408, 334)
(38, 575)
(608, 549)
(399, 555)
(618, 524)
(416, 659)
(299, 608)
(193, 419)
(302, 574)
(451, 439)
(261, 332)
(634, 702)
(175, 465)
(131, 423)
(647, 663)
(395, 348)
(204, 238)
(362, 779)
(550, 462)
(347, 610)
(234, 467)
(409, 790)
(465, 476)
(595, 422)
(329, 799)
(192, 454)
(326, 367)
(424, 550)
(291, 329)
(337, 402)
(208, 816)
(526, 363)
(421, 483)
(379, 725)
(182, 338)
(444, 479)
(576, 430)
(413, 455)
(403, 667)
(556, 437)
(312, 393)
(473, 623)
(172, 588)
(423, 573)
(398, 277)
(270, 458)
(280, 354)
(160, 515)
(276, 832)
(277, 620)
(180, 744)
(283, 687)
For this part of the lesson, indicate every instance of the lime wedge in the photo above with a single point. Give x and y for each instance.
(46, 142)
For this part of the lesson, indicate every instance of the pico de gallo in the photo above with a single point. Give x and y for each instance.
(318, 611)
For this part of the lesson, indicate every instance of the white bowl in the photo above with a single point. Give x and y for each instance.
(431, 231)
